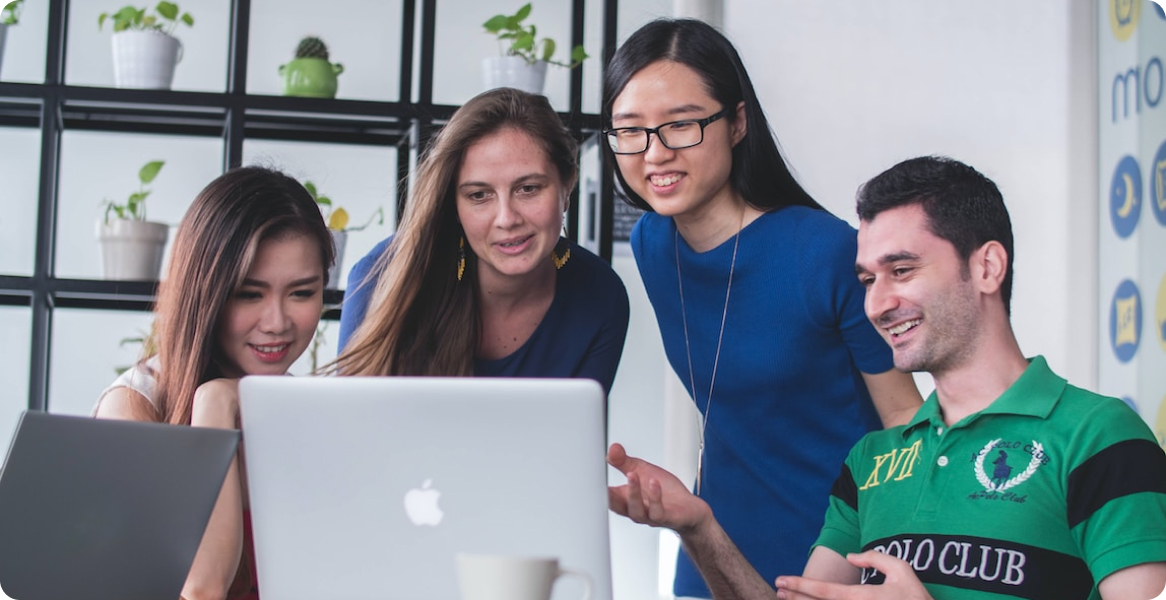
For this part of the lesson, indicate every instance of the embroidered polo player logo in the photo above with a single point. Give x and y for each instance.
(1000, 475)
(1001, 478)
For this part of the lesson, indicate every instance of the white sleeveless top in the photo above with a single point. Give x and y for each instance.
(139, 378)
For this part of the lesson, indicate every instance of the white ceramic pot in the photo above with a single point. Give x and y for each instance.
(513, 71)
(339, 239)
(145, 59)
(132, 250)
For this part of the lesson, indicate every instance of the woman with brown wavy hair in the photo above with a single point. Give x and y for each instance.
(478, 280)
(242, 296)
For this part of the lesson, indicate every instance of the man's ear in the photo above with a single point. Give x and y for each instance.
(989, 265)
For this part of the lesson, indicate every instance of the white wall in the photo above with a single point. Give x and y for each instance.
(851, 87)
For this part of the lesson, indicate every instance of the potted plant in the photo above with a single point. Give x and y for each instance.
(9, 15)
(525, 56)
(131, 246)
(145, 50)
(309, 73)
(337, 219)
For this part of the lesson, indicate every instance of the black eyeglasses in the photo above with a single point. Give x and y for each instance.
(675, 135)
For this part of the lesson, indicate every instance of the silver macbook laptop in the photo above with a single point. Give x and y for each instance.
(103, 509)
(367, 487)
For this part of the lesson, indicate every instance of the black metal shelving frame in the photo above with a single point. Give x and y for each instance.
(233, 116)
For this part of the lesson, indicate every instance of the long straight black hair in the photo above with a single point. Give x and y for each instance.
(215, 247)
(759, 173)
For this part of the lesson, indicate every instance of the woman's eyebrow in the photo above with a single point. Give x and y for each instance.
(679, 110)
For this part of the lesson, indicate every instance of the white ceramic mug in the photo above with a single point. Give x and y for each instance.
(501, 577)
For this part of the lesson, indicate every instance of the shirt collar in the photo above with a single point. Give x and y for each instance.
(1034, 394)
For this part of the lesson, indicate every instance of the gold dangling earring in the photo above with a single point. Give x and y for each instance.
(461, 257)
(562, 257)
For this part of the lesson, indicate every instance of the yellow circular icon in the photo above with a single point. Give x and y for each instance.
(1123, 17)
(1160, 314)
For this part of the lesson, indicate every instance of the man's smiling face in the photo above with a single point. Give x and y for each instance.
(918, 291)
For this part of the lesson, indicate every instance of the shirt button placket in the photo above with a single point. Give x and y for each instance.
(937, 473)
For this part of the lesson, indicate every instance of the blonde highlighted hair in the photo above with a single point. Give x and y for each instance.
(421, 319)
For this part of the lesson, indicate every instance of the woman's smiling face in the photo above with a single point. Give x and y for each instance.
(677, 182)
(271, 318)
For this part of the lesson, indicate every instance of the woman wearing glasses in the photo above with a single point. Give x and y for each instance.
(753, 286)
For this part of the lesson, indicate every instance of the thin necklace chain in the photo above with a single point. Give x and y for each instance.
(720, 336)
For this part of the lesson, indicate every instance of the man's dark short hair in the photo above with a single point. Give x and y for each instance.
(962, 205)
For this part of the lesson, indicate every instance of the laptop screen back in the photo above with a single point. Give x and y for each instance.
(366, 487)
(103, 509)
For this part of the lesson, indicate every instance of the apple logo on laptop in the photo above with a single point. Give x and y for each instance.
(421, 505)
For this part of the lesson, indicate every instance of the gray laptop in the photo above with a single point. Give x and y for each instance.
(103, 509)
(367, 487)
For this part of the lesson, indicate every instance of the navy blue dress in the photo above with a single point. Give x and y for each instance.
(582, 334)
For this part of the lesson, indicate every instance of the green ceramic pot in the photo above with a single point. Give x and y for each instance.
(312, 77)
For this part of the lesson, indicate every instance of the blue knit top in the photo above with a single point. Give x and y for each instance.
(789, 399)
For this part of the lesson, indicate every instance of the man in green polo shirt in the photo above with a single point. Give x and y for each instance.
(1008, 483)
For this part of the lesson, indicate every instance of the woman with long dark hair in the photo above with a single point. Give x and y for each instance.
(242, 295)
(753, 286)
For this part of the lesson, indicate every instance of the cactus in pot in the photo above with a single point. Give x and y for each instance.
(309, 73)
(312, 47)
